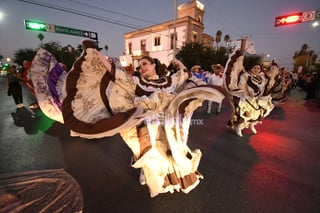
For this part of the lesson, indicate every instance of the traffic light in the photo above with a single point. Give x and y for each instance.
(288, 19)
(34, 25)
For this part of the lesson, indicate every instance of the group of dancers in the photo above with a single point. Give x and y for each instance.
(151, 111)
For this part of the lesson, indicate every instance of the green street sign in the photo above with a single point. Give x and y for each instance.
(68, 31)
(33, 25)
(40, 26)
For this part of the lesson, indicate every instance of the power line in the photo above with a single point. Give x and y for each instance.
(111, 11)
(88, 15)
(81, 13)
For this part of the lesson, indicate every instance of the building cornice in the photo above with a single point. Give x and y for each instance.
(164, 26)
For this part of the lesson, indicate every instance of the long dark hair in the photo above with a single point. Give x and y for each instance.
(160, 68)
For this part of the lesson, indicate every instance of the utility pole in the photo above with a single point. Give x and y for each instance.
(174, 29)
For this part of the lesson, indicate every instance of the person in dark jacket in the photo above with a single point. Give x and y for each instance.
(14, 87)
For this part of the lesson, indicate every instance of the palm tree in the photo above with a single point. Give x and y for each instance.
(218, 37)
(226, 39)
(24, 54)
(303, 50)
(40, 37)
(106, 48)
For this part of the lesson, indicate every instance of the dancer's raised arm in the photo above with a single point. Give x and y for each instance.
(86, 44)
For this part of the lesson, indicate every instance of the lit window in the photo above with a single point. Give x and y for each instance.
(194, 38)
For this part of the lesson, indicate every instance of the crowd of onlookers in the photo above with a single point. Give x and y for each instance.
(310, 83)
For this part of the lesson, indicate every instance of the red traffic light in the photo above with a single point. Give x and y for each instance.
(288, 19)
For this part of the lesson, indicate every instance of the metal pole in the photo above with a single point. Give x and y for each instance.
(174, 28)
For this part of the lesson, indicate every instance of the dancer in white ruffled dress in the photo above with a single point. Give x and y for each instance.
(249, 93)
(152, 112)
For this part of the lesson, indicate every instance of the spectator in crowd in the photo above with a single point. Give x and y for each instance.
(311, 86)
(198, 72)
(215, 79)
(14, 86)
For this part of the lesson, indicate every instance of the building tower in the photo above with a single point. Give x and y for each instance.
(157, 41)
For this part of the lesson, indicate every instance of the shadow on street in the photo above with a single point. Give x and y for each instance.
(32, 122)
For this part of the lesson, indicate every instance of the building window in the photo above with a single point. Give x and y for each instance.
(194, 38)
(171, 40)
(199, 19)
(130, 48)
(157, 41)
(143, 45)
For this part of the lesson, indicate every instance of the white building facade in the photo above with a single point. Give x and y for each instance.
(157, 41)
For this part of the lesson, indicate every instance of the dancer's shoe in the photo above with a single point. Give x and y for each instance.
(238, 131)
(253, 129)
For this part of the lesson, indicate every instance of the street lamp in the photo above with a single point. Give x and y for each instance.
(315, 24)
(1, 15)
